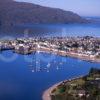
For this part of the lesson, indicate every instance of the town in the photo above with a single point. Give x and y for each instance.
(85, 48)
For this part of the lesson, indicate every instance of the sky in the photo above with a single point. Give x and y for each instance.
(81, 7)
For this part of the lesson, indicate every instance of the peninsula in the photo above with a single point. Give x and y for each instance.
(81, 88)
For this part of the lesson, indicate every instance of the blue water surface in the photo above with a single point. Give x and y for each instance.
(18, 82)
(32, 30)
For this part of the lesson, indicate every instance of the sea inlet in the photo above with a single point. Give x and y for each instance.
(26, 77)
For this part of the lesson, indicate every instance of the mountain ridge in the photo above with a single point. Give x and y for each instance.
(13, 12)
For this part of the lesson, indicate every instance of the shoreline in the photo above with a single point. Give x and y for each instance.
(83, 57)
(69, 54)
(46, 93)
(75, 47)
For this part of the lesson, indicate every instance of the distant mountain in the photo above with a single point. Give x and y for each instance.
(12, 13)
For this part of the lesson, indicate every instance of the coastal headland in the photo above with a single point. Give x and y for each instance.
(81, 88)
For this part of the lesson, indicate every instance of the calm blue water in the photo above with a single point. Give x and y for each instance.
(18, 82)
(54, 30)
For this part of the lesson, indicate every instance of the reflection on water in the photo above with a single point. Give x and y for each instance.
(35, 62)
(24, 79)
